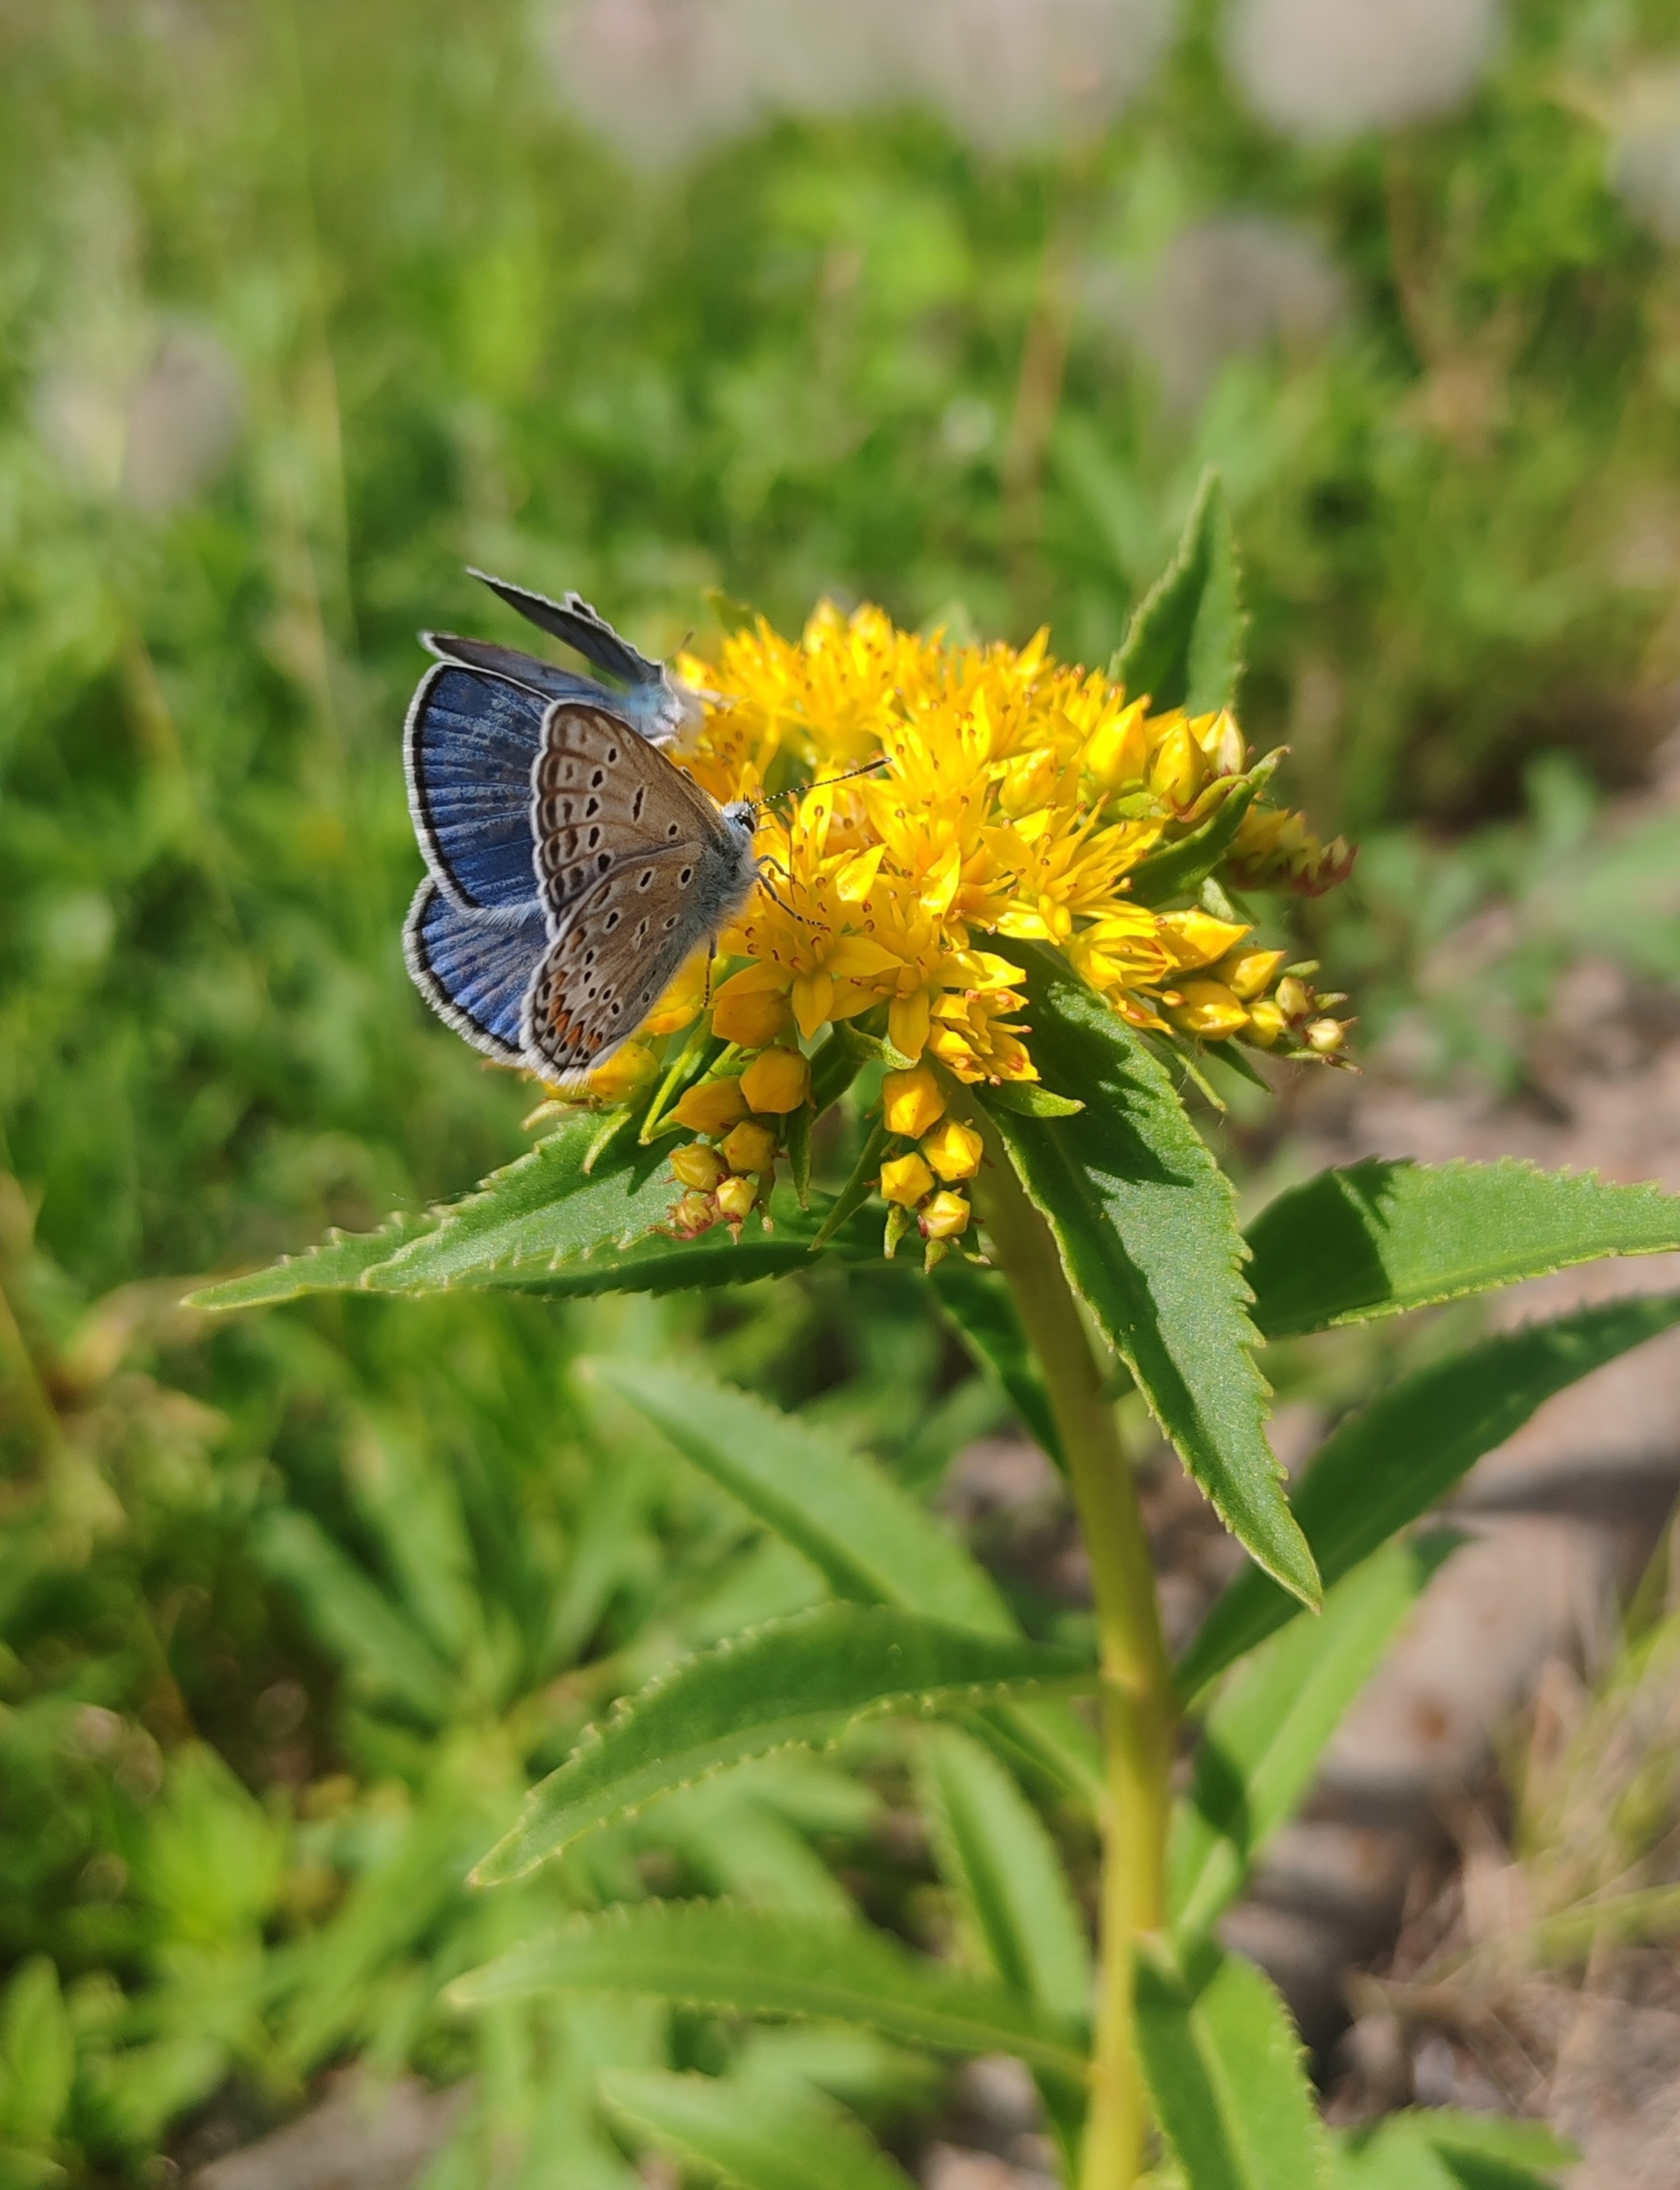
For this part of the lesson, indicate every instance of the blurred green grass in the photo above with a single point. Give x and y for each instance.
(304, 306)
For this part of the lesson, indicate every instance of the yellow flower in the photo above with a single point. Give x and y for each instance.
(777, 1082)
(1003, 794)
(905, 1180)
(684, 1001)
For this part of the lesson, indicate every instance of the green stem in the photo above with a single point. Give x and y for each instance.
(1137, 1690)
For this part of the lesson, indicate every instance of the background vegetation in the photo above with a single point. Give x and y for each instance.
(305, 308)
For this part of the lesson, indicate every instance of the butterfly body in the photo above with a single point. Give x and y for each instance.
(573, 868)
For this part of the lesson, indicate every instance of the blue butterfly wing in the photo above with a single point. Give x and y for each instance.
(468, 748)
(474, 972)
(517, 667)
(575, 623)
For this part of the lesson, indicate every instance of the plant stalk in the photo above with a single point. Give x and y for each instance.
(1136, 1698)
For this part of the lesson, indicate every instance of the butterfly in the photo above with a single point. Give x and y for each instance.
(573, 869)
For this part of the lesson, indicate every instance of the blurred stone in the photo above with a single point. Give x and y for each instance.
(361, 2138)
(661, 80)
(1319, 69)
(952, 2167)
(1228, 287)
(184, 424)
(1616, 2091)
(1644, 164)
(1353, 1876)
(1012, 74)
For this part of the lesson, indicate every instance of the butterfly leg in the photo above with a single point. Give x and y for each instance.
(792, 911)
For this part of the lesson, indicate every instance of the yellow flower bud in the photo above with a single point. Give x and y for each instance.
(1295, 998)
(945, 1218)
(1265, 1023)
(1119, 752)
(777, 1082)
(625, 1073)
(1178, 771)
(749, 1014)
(1195, 939)
(911, 1102)
(1221, 741)
(1210, 1010)
(750, 1147)
(735, 1198)
(712, 1107)
(954, 1150)
(1326, 1036)
(698, 1166)
(905, 1180)
(693, 1213)
(1248, 974)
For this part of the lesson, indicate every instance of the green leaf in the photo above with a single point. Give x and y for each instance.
(527, 1222)
(37, 2055)
(1386, 1466)
(994, 1849)
(799, 1679)
(868, 1538)
(1146, 1224)
(859, 1186)
(1181, 868)
(1027, 1100)
(1440, 2149)
(1264, 1738)
(1184, 645)
(757, 2135)
(340, 1265)
(865, 1534)
(385, 1655)
(657, 1264)
(981, 1308)
(717, 1957)
(1379, 1238)
(1225, 2070)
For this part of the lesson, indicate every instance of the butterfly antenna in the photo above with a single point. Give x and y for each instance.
(799, 790)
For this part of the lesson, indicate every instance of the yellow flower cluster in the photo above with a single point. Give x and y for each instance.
(1016, 797)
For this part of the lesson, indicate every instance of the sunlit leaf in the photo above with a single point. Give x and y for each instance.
(1227, 2074)
(863, 1532)
(1442, 2149)
(1145, 1221)
(803, 1679)
(1184, 646)
(343, 1261)
(1378, 1237)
